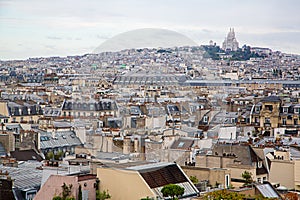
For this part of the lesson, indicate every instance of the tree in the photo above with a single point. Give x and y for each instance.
(172, 190)
(223, 194)
(79, 193)
(102, 195)
(59, 155)
(194, 180)
(290, 196)
(50, 155)
(247, 176)
(66, 190)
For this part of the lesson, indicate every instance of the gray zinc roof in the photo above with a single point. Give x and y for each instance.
(61, 139)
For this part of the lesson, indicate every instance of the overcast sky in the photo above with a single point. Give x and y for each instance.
(34, 28)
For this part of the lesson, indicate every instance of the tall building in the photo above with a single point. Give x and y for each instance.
(230, 43)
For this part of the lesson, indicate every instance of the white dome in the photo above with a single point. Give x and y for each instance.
(145, 38)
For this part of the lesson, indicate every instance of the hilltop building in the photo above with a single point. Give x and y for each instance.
(230, 43)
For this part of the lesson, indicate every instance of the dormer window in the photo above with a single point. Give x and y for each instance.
(92, 107)
(259, 164)
(205, 119)
(257, 109)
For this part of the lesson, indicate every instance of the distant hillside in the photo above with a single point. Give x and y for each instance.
(216, 53)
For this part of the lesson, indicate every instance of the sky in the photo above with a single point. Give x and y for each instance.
(43, 28)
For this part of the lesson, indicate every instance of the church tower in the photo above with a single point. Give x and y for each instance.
(230, 43)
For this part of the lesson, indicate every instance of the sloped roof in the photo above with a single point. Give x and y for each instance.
(183, 143)
(163, 176)
(267, 191)
(157, 175)
(25, 155)
(271, 99)
(61, 139)
(25, 175)
(244, 153)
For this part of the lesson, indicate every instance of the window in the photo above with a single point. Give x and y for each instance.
(264, 178)
(227, 181)
(259, 180)
(267, 120)
(5, 120)
(257, 109)
(296, 110)
(91, 106)
(233, 120)
(283, 121)
(259, 164)
(205, 118)
(285, 109)
(295, 121)
(256, 120)
(269, 107)
(181, 144)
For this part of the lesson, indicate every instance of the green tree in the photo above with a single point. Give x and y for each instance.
(172, 190)
(59, 155)
(49, 155)
(224, 194)
(102, 195)
(247, 176)
(57, 198)
(79, 193)
(194, 180)
(66, 190)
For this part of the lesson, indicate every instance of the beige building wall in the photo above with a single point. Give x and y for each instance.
(4, 108)
(8, 141)
(211, 161)
(238, 170)
(284, 154)
(213, 175)
(123, 184)
(282, 171)
(297, 174)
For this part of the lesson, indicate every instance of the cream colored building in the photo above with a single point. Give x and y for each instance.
(143, 181)
(297, 174)
(20, 112)
(123, 184)
(282, 171)
(213, 175)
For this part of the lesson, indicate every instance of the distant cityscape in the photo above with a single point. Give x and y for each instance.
(220, 122)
